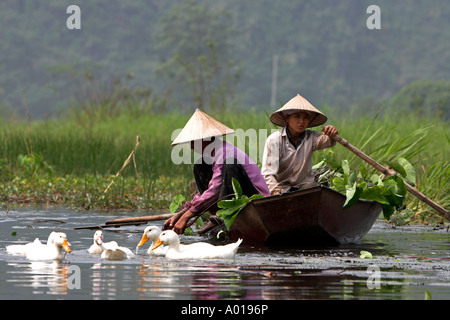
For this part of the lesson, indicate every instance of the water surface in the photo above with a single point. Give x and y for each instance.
(406, 262)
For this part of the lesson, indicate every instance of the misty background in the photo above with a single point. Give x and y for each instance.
(181, 54)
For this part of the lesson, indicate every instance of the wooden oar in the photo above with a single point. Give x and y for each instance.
(389, 172)
(140, 219)
(115, 223)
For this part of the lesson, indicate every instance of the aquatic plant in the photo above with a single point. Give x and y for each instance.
(389, 191)
(229, 209)
(85, 155)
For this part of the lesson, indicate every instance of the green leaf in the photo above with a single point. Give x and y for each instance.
(388, 210)
(236, 188)
(256, 196)
(365, 254)
(401, 186)
(405, 169)
(363, 171)
(231, 208)
(228, 215)
(353, 194)
(352, 178)
(177, 200)
(427, 295)
(410, 172)
(374, 193)
(338, 184)
(345, 166)
(232, 203)
(319, 165)
(398, 168)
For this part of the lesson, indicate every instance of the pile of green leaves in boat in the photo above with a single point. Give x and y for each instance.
(389, 191)
(229, 209)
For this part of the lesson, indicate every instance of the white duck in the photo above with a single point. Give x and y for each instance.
(51, 250)
(109, 250)
(96, 247)
(198, 250)
(112, 251)
(152, 233)
(22, 249)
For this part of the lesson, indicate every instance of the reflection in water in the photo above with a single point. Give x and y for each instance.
(410, 262)
(44, 277)
(171, 280)
(158, 278)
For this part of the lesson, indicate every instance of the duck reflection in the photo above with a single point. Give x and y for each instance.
(44, 277)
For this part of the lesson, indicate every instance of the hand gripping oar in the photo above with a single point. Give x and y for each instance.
(389, 172)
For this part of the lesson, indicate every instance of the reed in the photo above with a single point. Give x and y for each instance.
(85, 154)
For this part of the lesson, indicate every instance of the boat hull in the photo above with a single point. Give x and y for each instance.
(312, 216)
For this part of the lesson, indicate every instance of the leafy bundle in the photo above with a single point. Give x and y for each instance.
(389, 191)
(231, 208)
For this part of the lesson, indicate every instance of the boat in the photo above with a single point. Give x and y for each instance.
(313, 216)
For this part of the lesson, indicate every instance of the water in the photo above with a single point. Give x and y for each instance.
(406, 263)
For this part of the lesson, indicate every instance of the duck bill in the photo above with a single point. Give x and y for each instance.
(66, 246)
(144, 239)
(99, 241)
(157, 244)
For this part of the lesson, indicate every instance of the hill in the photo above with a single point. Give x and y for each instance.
(325, 50)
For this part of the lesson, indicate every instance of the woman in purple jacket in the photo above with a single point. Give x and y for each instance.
(220, 162)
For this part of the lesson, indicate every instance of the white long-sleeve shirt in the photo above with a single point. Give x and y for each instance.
(285, 166)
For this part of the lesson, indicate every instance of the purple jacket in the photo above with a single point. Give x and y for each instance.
(219, 154)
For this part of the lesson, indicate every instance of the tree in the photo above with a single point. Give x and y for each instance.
(197, 55)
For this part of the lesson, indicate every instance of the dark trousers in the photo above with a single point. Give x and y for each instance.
(203, 174)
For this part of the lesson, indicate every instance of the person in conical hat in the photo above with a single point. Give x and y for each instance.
(287, 159)
(213, 173)
(201, 127)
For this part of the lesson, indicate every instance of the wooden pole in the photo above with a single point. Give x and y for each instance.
(143, 218)
(445, 213)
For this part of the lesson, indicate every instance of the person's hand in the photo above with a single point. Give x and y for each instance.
(170, 223)
(276, 191)
(329, 131)
(180, 225)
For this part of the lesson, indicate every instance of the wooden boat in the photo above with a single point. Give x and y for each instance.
(307, 217)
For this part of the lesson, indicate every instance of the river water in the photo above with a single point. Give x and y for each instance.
(407, 262)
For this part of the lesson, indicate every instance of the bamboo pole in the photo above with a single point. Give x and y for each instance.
(143, 218)
(389, 172)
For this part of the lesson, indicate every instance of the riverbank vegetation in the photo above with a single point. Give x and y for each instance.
(71, 161)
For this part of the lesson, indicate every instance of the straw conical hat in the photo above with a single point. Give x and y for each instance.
(201, 126)
(298, 103)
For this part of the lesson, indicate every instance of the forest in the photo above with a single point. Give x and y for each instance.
(181, 54)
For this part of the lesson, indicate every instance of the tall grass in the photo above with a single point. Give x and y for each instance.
(91, 150)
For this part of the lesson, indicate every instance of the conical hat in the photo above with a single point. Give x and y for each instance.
(298, 103)
(201, 126)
